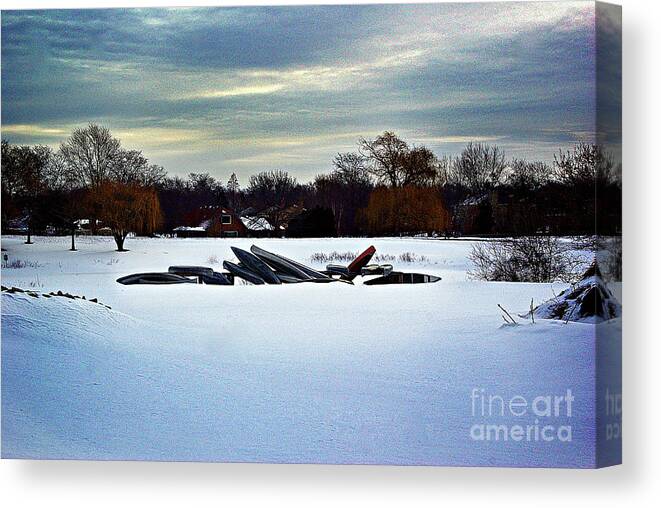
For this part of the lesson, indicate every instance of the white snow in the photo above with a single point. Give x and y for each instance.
(294, 373)
(189, 228)
(256, 223)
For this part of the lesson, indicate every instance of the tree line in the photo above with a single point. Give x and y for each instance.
(385, 187)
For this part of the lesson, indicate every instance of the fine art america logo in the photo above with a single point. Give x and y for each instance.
(519, 418)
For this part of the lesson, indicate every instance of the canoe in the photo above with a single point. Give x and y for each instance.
(217, 279)
(402, 278)
(361, 261)
(155, 278)
(287, 266)
(242, 273)
(256, 265)
(191, 271)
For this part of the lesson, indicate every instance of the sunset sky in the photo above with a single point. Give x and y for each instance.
(241, 90)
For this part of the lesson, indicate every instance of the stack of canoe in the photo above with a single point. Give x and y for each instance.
(262, 267)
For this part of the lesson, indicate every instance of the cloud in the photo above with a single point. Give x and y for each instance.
(475, 138)
(234, 92)
(208, 88)
(33, 131)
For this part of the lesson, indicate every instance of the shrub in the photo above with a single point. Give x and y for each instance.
(19, 263)
(609, 256)
(333, 257)
(347, 257)
(412, 257)
(524, 259)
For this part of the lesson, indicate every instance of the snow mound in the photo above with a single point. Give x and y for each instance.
(52, 312)
(589, 301)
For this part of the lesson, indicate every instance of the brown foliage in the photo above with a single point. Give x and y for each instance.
(408, 209)
(127, 207)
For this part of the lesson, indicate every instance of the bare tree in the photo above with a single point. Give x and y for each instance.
(131, 166)
(479, 167)
(584, 165)
(128, 166)
(92, 151)
(419, 167)
(351, 167)
(385, 154)
(272, 192)
(528, 176)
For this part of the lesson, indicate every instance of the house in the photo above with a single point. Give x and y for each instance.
(500, 211)
(218, 221)
(89, 227)
(189, 232)
(17, 226)
(473, 216)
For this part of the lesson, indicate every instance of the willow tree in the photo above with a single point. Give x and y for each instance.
(126, 208)
(410, 209)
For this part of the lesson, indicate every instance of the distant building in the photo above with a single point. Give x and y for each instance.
(17, 226)
(217, 221)
(473, 216)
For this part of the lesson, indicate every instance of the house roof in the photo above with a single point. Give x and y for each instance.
(256, 223)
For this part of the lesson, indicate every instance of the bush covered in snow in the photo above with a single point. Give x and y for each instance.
(589, 300)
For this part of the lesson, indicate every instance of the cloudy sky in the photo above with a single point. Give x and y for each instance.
(247, 89)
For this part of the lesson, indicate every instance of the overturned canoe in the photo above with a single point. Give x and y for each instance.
(155, 278)
(191, 271)
(402, 278)
(204, 274)
(217, 279)
(288, 266)
(243, 273)
(256, 265)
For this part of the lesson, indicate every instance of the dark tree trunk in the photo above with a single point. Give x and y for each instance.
(119, 240)
(29, 240)
(73, 239)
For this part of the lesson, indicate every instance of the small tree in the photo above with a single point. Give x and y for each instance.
(233, 190)
(25, 170)
(68, 195)
(126, 207)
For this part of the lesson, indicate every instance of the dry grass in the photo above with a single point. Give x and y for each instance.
(19, 263)
(348, 256)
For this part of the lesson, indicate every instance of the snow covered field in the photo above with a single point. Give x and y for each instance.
(294, 373)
